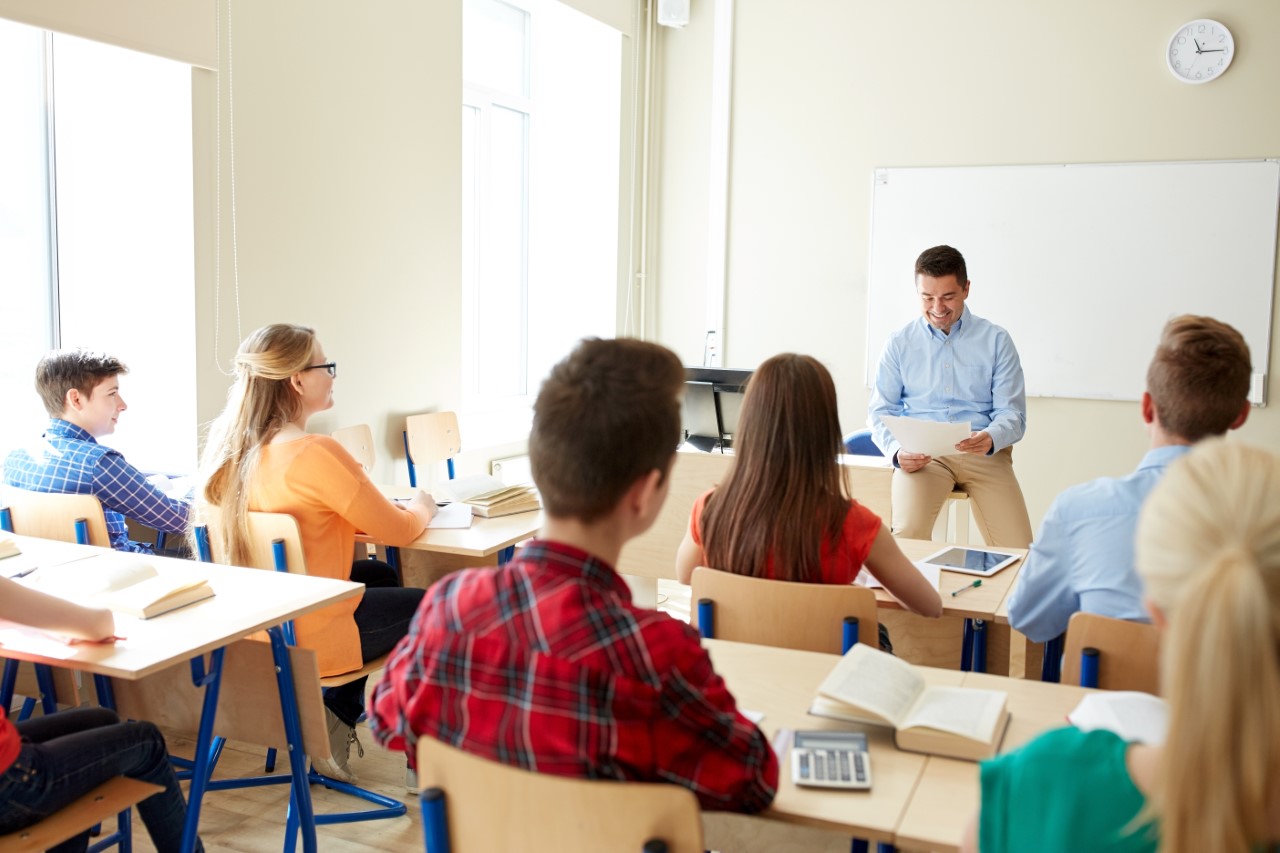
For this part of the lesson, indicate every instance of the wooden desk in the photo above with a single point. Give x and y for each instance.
(437, 552)
(948, 794)
(917, 801)
(245, 601)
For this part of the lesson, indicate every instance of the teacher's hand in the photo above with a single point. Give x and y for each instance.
(912, 462)
(977, 442)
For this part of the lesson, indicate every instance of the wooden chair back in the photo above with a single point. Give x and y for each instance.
(806, 616)
(553, 814)
(653, 553)
(1129, 652)
(109, 798)
(358, 441)
(264, 529)
(433, 437)
(248, 704)
(52, 515)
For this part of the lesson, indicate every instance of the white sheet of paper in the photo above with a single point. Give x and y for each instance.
(1133, 716)
(933, 438)
(932, 573)
(452, 516)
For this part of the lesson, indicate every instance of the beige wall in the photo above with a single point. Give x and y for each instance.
(347, 163)
(826, 90)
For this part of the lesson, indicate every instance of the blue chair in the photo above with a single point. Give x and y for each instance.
(1112, 654)
(542, 813)
(1051, 666)
(860, 444)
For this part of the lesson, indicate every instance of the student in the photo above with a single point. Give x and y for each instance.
(1208, 552)
(81, 391)
(784, 511)
(1197, 386)
(951, 365)
(259, 457)
(544, 663)
(48, 762)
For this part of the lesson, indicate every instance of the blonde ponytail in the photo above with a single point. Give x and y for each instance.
(1208, 549)
(259, 404)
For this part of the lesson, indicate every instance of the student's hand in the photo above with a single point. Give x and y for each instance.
(912, 462)
(424, 502)
(977, 442)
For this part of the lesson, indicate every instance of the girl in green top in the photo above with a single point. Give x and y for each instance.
(1208, 551)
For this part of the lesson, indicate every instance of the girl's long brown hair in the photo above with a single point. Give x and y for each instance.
(786, 494)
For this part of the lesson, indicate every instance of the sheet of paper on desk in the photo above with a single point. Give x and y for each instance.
(932, 573)
(34, 642)
(933, 438)
(452, 516)
(1133, 716)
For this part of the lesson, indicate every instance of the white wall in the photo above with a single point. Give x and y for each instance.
(827, 90)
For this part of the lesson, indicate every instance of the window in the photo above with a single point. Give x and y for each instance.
(97, 233)
(541, 154)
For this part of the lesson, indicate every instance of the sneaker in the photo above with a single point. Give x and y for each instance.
(341, 736)
(411, 781)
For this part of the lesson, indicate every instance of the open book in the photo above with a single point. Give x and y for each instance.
(124, 584)
(870, 686)
(489, 498)
(1135, 717)
(8, 547)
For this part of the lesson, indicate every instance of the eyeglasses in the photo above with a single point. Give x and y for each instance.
(331, 366)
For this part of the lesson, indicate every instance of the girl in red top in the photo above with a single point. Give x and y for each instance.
(784, 510)
(48, 762)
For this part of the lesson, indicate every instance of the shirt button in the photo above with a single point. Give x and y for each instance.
(948, 388)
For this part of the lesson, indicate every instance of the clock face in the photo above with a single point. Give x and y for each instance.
(1200, 51)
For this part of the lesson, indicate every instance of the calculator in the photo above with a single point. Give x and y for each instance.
(828, 759)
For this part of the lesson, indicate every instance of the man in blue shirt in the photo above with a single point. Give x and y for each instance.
(81, 392)
(953, 366)
(1197, 386)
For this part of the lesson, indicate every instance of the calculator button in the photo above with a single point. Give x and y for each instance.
(844, 766)
(804, 767)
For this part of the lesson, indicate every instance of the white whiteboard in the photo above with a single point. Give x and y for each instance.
(1083, 264)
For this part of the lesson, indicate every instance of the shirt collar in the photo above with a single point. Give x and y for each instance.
(565, 559)
(1159, 457)
(65, 429)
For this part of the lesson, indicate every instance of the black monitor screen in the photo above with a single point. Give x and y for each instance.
(712, 400)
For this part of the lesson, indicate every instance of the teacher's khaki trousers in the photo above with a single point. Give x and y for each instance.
(994, 496)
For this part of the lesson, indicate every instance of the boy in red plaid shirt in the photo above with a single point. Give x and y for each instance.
(544, 663)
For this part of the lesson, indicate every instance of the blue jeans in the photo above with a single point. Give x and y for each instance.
(383, 618)
(68, 754)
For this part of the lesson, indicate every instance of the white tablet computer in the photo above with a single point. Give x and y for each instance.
(971, 561)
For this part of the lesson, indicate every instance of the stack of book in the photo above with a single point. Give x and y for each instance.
(489, 498)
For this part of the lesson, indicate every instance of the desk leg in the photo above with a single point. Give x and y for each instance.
(301, 813)
(212, 684)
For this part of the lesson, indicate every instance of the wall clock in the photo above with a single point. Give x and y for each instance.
(1200, 51)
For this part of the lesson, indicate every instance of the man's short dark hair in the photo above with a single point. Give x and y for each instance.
(63, 369)
(942, 261)
(607, 415)
(1199, 377)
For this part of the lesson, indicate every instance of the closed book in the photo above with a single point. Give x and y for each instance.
(871, 686)
(8, 547)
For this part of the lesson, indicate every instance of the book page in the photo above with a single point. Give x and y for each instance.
(466, 488)
(872, 680)
(964, 711)
(98, 574)
(1133, 716)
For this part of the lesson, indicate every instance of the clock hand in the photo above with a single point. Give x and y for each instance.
(1197, 44)
(1215, 50)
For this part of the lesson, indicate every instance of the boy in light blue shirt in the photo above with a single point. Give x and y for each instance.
(1197, 386)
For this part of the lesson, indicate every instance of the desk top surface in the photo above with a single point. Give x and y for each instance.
(485, 536)
(984, 602)
(245, 601)
(916, 800)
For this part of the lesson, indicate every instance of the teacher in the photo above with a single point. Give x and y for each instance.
(952, 366)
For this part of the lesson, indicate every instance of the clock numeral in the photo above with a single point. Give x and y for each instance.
(1175, 51)
(1177, 63)
(1222, 38)
(1199, 75)
(1221, 61)
(1209, 72)
(1200, 29)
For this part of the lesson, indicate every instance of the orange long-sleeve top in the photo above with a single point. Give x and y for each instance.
(320, 484)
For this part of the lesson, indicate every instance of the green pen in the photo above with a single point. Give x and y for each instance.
(978, 582)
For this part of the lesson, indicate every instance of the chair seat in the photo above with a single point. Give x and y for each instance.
(347, 677)
(108, 799)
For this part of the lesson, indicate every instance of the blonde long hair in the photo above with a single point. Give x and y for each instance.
(259, 404)
(1208, 550)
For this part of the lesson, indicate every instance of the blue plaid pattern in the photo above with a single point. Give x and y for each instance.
(70, 461)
